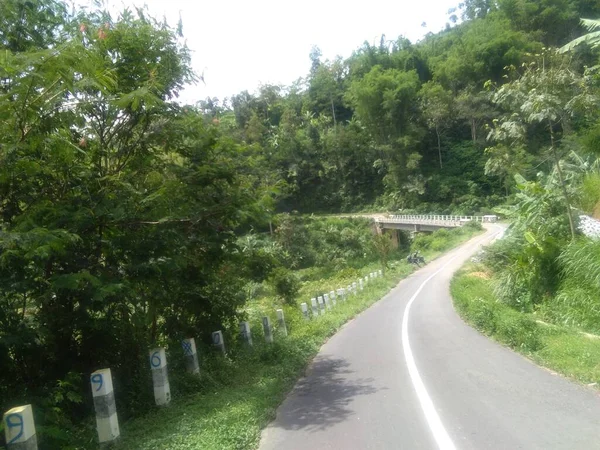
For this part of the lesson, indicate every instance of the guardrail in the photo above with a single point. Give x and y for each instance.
(437, 219)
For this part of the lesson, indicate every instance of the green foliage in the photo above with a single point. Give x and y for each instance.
(286, 284)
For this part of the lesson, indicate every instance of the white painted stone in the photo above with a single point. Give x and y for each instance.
(108, 428)
(160, 377)
(314, 306)
(321, 303)
(304, 308)
(266, 322)
(107, 421)
(245, 332)
(101, 381)
(19, 428)
(281, 322)
(190, 355)
(218, 341)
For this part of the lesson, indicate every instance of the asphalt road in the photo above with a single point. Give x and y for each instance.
(420, 378)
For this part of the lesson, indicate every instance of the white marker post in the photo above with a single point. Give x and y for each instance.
(304, 308)
(190, 355)
(326, 300)
(160, 376)
(267, 328)
(333, 298)
(281, 322)
(360, 283)
(107, 422)
(380, 273)
(19, 429)
(354, 288)
(245, 332)
(314, 307)
(321, 305)
(218, 341)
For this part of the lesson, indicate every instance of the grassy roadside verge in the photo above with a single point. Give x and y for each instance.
(238, 395)
(562, 349)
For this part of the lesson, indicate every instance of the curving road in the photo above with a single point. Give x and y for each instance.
(409, 374)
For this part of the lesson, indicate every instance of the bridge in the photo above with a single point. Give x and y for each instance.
(429, 223)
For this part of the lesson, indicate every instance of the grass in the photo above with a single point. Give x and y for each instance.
(237, 395)
(565, 350)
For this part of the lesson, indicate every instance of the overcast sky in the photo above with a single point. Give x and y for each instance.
(239, 44)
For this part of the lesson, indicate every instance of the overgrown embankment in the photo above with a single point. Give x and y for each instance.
(237, 395)
(566, 349)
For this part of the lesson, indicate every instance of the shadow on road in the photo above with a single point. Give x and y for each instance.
(321, 399)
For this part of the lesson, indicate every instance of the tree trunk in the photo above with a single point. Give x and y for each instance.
(333, 112)
(562, 182)
(473, 130)
(437, 132)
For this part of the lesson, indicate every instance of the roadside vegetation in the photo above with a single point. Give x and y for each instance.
(237, 395)
(129, 220)
(565, 349)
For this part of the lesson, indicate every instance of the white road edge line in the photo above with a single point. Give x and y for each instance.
(436, 426)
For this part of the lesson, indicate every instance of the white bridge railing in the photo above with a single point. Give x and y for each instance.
(442, 220)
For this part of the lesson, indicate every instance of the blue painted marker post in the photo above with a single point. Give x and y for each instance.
(190, 354)
(217, 340)
(281, 322)
(19, 429)
(314, 307)
(245, 332)
(267, 329)
(107, 422)
(304, 308)
(160, 376)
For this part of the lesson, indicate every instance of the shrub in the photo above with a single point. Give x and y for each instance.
(285, 283)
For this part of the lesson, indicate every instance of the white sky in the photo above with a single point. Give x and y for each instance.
(240, 44)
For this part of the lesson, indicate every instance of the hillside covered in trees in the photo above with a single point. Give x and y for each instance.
(129, 220)
(407, 125)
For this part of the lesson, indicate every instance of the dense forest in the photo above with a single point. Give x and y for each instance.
(128, 219)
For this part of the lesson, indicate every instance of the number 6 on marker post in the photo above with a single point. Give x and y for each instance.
(19, 428)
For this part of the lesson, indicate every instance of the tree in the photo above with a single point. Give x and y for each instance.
(546, 94)
(436, 104)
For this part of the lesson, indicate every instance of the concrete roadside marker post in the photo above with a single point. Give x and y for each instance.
(314, 307)
(267, 328)
(360, 283)
(245, 332)
(333, 298)
(321, 305)
(326, 300)
(281, 322)
(304, 308)
(107, 421)
(190, 355)
(160, 376)
(19, 429)
(354, 288)
(380, 272)
(218, 341)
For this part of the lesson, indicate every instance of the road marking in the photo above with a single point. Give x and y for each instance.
(436, 426)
